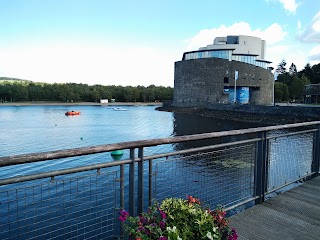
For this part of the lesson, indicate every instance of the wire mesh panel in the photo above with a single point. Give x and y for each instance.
(81, 207)
(220, 177)
(290, 158)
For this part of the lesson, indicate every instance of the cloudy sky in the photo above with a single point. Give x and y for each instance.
(136, 42)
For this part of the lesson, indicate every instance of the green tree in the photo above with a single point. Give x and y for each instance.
(292, 70)
(281, 68)
(19, 92)
(296, 88)
(278, 91)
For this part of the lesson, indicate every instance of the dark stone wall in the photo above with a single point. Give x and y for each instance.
(292, 111)
(259, 115)
(198, 82)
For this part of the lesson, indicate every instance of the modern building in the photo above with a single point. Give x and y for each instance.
(208, 74)
(312, 93)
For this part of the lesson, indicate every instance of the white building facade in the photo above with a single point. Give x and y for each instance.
(241, 48)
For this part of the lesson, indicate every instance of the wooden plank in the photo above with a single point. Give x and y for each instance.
(291, 215)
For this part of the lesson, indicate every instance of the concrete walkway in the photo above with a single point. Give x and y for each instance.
(294, 214)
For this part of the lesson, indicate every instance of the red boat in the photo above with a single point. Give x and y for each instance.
(72, 113)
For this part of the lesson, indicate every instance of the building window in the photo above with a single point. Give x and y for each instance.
(226, 80)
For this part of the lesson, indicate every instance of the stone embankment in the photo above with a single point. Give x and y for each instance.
(263, 115)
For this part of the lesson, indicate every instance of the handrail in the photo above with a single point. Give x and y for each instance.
(51, 155)
(98, 166)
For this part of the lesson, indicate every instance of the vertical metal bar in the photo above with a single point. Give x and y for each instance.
(140, 181)
(316, 152)
(122, 186)
(150, 182)
(261, 168)
(122, 196)
(131, 183)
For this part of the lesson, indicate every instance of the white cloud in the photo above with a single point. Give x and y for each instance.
(89, 64)
(289, 5)
(315, 54)
(272, 34)
(291, 53)
(299, 25)
(311, 33)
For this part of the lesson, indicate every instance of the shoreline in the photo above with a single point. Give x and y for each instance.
(44, 103)
(262, 119)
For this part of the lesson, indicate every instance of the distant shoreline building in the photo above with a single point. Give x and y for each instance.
(312, 93)
(208, 75)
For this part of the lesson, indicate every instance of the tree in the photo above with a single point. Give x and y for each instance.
(281, 92)
(316, 73)
(282, 67)
(278, 91)
(19, 92)
(292, 70)
(296, 88)
(285, 90)
(308, 72)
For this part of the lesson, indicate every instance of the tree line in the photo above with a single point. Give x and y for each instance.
(73, 92)
(290, 82)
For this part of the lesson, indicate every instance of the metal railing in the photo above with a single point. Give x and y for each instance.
(230, 168)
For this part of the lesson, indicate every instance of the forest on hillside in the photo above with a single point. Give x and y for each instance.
(290, 82)
(15, 91)
(288, 86)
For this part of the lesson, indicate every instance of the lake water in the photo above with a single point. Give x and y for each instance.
(31, 129)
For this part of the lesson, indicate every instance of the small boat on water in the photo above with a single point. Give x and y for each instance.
(120, 109)
(72, 113)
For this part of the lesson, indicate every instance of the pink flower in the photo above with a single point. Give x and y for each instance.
(163, 238)
(162, 225)
(234, 235)
(124, 214)
(163, 215)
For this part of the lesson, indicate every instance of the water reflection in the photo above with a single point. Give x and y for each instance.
(187, 124)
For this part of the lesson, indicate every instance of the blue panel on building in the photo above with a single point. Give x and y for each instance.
(242, 95)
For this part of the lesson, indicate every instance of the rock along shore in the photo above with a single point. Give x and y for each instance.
(262, 115)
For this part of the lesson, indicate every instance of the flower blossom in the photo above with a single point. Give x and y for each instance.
(123, 215)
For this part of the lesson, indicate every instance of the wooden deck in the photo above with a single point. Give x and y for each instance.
(294, 214)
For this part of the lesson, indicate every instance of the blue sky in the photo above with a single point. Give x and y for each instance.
(136, 42)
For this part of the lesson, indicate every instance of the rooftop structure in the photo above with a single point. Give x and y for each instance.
(241, 48)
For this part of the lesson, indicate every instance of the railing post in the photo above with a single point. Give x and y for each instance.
(121, 196)
(150, 182)
(316, 152)
(132, 183)
(140, 181)
(122, 186)
(261, 168)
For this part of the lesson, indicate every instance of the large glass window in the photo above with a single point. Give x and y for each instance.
(226, 54)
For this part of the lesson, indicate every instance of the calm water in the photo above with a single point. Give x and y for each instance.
(30, 129)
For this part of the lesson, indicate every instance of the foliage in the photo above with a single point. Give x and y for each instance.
(293, 82)
(292, 70)
(281, 91)
(281, 68)
(81, 92)
(177, 218)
